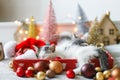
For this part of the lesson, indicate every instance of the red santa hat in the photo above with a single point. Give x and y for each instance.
(12, 47)
(29, 43)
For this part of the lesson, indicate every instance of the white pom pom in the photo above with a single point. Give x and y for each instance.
(9, 49)
(29, 54)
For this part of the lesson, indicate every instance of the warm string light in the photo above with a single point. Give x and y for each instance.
(79, 17)
(27, 21)
(26, 32)
(75, 29)
(37, 37)
(18, 23)
(41, 29)
(73, 20)
(21, 31)
(24, 38)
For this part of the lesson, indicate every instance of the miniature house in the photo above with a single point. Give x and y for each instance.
(104, 31)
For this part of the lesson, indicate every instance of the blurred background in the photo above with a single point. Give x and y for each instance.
(11, 10)
(65, 13)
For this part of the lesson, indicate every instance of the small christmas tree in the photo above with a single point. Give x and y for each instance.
(32, 29)
(49, 26)
(81, 20)
(93, 33)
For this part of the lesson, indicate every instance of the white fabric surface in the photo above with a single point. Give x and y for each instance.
(6, 73)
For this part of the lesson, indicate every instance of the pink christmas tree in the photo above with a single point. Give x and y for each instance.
(49, 27)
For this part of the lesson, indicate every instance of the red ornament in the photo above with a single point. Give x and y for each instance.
(20, 71)
(115, 72)
(29, 73)
(57, 58)
(111, 78)
(88, 70)
(70, 73)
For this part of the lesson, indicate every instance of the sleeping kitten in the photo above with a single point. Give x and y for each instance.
(74, 48)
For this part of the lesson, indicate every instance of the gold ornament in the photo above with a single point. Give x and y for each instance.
(98, 69)
(107, 73)
(41, 75)
(11, 64)
(56, 66)
(99, 76)
(30, 68)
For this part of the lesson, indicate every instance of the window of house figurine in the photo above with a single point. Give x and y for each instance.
(100, 31)
(1, 52)
(111, 31)
(106, 41)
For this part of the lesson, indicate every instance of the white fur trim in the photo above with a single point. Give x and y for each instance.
(29, 54)
(9, 49)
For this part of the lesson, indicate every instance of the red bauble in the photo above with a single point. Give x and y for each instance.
(57, 58)
(20, 71)
(40, 66)
(29, 73)
(115, 72)
(70, 73)
(88, 70)
(111, 78)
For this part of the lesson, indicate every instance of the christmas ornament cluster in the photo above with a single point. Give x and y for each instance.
(41, 70)
(88, 49)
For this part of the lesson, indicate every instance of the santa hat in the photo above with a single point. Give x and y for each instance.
(29, 43)
(11, 47)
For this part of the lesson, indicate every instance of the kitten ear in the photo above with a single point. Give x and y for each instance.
(75, 35)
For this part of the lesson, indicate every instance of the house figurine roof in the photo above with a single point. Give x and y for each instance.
(107, 17)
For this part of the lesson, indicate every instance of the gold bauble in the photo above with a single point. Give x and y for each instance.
(56, 66)
(99, 76)
(41, 75)
(30, 68)
(11, 64)
(107, 73)
(98, 69)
